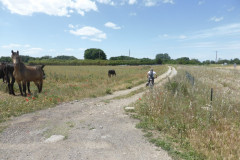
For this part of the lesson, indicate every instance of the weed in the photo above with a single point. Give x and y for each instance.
(199, 129)
(148, 134)
(2, 128)
(129, 86)
(92, 128)
(108, 91)
(70, 124)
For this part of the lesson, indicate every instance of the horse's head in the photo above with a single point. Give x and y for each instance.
(15, 57)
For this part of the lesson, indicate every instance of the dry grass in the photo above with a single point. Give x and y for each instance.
(195, 127)
(67, 83)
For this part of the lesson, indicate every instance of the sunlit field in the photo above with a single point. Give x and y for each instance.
(182, 119)
(68, 83)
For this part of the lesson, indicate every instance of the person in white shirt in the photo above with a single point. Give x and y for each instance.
(151, 75)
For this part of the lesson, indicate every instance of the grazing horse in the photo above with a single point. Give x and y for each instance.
(24, 74)
(6, 72)
(111, 73)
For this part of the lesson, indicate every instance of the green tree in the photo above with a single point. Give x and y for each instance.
(183, 60)
(123, 58)
(161, 58)
(5, 59)
(46, 57)
(25, 59)
(94, 53)
(194, 61)
(65, 57)
(159, 61)
(235, 60)
(223, 61)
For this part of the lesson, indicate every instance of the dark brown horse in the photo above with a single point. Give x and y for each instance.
(111, 73)
(24, 74)
(6, 73)
(2, 73)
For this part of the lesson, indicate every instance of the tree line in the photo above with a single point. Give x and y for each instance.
(94, 56)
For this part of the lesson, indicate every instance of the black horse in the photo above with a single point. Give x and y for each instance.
(6, 73)
(2, 75)
(111, 73)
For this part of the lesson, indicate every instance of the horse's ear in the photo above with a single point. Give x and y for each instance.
(12, 52)
(17, 53)
(43, 66)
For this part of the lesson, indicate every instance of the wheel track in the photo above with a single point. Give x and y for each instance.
(98, 130)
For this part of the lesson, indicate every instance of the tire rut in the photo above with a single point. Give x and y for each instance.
(93, 129)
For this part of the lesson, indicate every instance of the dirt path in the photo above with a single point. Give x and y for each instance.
(94, 129)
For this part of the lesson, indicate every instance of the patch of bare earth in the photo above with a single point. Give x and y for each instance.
(94, 128)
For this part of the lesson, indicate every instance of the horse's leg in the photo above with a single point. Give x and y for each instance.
(9, 85)
(40, 86)
(28, 86)
(24, 88)
(36, 84)
(20, 87)
(12, 84)
(9, 88)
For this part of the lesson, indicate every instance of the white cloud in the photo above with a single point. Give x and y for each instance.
(221, 31)
(226, 30)
(200, 45)
(71, 26)
(106, 2)
(49, 7)
(26, 45)
(232, 45)
(90, 33)
(81, 49)
(182, 37)
(69, 49)
(131, 2)
(231, 9)
(112, 25)
(32, 51)
(201, 2)
(216, 19)
(132, 14)
(83, 6)
(168, 1)
(150, 3)
(165, 35)
(52, 50)
(12, 45)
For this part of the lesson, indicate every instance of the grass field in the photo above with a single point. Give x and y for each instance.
(182, 120)
(67, 83)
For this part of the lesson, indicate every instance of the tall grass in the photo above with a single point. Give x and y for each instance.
(192, 125)
(67, 83)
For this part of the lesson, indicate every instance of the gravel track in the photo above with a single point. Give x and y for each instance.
(94, 129)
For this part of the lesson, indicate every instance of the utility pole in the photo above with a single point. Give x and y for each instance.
(129, 52)
(216, 57)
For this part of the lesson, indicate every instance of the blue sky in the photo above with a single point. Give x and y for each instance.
(181, 28)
